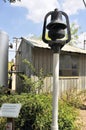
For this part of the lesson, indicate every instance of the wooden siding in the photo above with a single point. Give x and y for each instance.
(24, 52)
(43, 58)
(65, 83)
(83, 71)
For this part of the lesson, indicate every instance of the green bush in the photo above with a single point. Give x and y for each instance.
(73, 97)
(2, 123)
(67, 116)
(29, 84)
(36, 112)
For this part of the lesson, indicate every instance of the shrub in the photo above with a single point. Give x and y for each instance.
(67, 116)
(36, 112)
(29, 84)
(2, 123)
(73, 97)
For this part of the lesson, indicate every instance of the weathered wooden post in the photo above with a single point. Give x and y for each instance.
(10, 124)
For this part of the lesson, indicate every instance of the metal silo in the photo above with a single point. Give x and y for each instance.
(4, 44)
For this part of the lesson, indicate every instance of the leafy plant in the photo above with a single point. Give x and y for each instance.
(74, 34)
(67, 116)
(2, 123)
(73, 97)
(3, 90)
(31, 85)
(36, 112)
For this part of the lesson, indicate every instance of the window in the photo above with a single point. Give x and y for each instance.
(69, 65)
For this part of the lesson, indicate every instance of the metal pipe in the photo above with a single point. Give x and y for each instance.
(4, 44)
(54, 125)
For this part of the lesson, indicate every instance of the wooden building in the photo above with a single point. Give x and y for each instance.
(72, 64)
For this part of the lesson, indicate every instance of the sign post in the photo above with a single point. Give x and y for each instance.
(10, 124)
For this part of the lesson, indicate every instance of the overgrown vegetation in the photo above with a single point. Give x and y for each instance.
(67, 117)
(73, 97)
(29, 84)
(74, 34)
(36, 112)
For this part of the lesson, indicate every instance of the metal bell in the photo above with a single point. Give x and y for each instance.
(56, 34)
(56, 21)
(56, 26)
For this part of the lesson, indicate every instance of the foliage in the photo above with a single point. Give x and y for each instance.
(31, 85)
(2, 123)
(3, 90)
(10, 64)
(67, 116)
(9, 67)
(84, 3)
(74, 34)
(36, 112)
(73, 97)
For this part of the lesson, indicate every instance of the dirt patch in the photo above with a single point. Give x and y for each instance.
(82, 117)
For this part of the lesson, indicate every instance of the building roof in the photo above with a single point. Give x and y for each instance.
(41, 44)
(70, 48)
(36, 43)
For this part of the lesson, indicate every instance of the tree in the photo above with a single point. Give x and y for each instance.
(74, 34)
(84, 3)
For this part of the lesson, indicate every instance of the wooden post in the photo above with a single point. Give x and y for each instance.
(10, 124)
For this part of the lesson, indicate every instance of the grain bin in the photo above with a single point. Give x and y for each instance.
(4, 44)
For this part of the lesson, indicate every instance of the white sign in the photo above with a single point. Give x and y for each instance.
(10, 110)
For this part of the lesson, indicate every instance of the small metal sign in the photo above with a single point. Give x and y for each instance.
(10, 110)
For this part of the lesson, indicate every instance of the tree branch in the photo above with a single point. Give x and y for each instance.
(84, 3)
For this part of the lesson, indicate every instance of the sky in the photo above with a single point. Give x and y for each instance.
(25, 18)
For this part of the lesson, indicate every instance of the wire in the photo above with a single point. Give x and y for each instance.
(84, 3)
